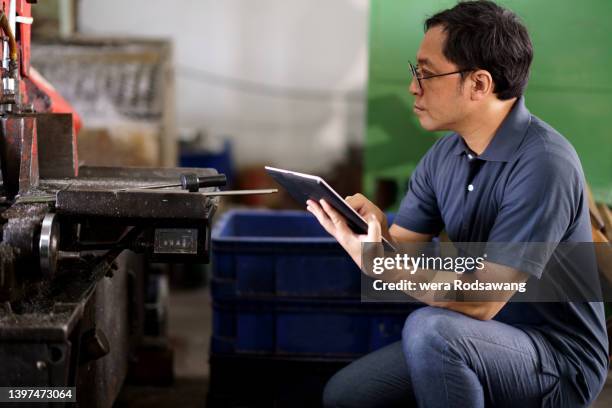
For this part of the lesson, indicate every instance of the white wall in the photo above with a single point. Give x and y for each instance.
(285, 78)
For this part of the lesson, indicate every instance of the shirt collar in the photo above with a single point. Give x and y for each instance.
(507, 138)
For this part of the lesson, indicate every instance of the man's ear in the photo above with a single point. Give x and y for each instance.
(482, 84)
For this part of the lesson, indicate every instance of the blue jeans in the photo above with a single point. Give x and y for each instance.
(446, 359)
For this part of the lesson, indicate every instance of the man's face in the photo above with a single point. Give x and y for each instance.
(443, 102)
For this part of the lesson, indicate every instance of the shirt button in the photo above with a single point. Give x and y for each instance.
(470, 187)
(470, 156)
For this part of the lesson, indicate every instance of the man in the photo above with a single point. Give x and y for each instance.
(504, 176)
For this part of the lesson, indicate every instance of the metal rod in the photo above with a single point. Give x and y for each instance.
(36, 199)
(209, 193)
(149, 187)
(239, 192)
(189, 181)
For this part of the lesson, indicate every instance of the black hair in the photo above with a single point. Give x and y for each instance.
(483, 35)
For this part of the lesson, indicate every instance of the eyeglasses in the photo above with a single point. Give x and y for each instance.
(419, 78)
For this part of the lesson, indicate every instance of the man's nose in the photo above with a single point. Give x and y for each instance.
(414, 87)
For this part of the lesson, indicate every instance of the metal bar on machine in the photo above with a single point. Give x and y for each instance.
(239, 192)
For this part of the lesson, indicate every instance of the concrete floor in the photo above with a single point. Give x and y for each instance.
(190, 328)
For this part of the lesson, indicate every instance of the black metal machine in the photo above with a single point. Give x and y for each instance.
(71, 308)
(75, 242)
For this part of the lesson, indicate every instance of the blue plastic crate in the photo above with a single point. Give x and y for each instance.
(282, 253)
(337, 328)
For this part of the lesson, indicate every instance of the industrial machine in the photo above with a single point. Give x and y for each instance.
(75, 241)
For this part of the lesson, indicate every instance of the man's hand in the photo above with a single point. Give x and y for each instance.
(366, 209)
(335, 224)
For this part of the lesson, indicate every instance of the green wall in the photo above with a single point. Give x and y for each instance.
(570, 85)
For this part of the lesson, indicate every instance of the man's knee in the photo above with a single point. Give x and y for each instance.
(428, 331)
(337, 392)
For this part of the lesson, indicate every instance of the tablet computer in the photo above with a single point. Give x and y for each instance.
(303, 187)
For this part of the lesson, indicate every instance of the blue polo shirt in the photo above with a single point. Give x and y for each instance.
(527, 186)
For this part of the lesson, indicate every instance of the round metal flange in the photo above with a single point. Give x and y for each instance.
(49, 245)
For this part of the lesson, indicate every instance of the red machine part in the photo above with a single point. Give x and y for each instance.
(43, 97)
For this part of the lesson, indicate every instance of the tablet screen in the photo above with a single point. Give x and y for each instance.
(303, 187)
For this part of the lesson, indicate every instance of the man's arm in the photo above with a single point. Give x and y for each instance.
(484, 304)
(402, 235)
(491, 272)
(334, 223)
